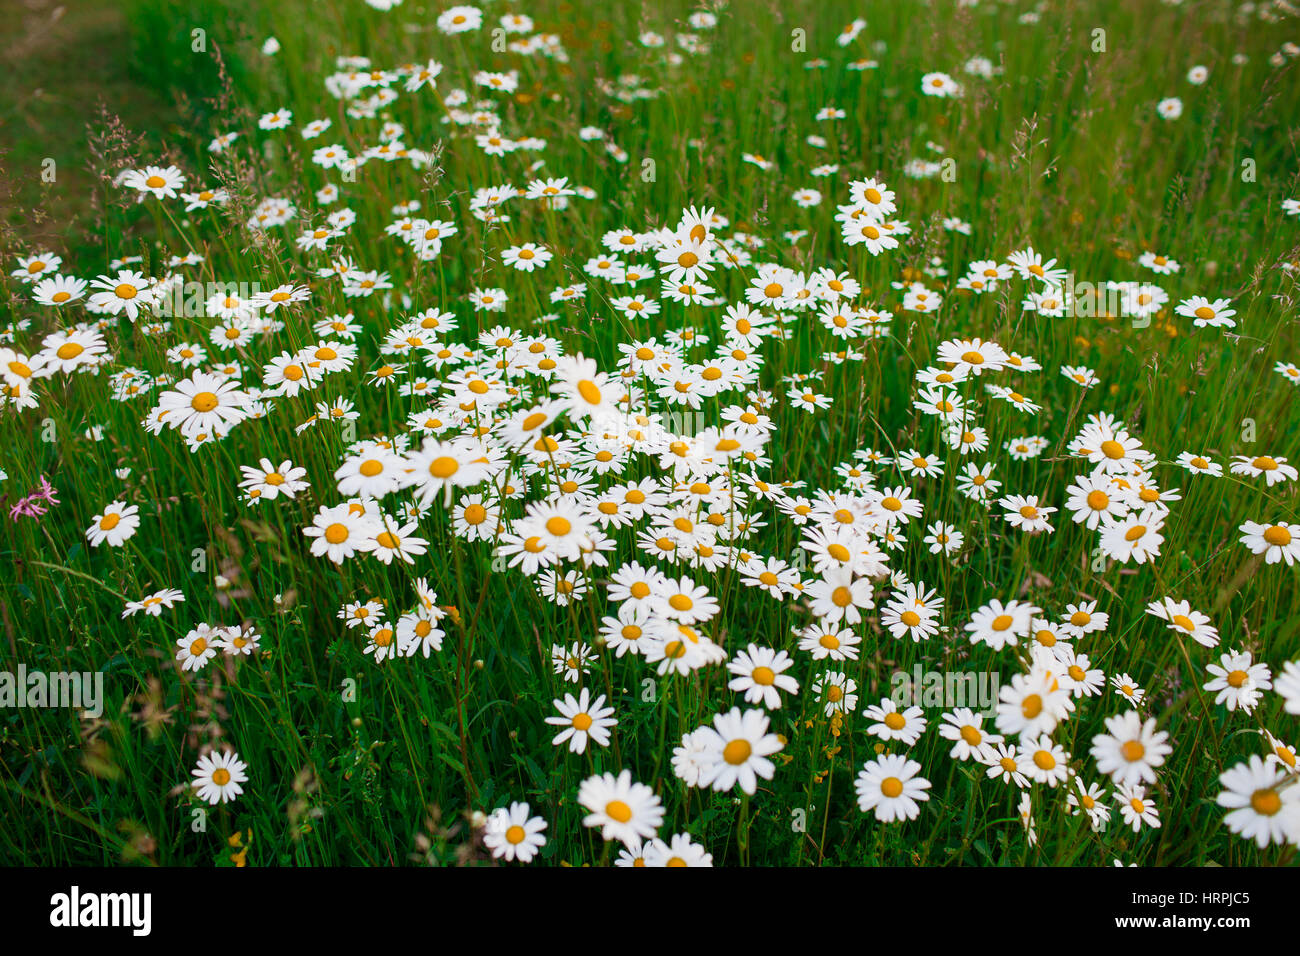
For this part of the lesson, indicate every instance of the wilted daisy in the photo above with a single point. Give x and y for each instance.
(153, 604)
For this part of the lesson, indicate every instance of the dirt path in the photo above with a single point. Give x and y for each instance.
(59, 63)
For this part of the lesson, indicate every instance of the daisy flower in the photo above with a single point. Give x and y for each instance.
(1261, 806)
(1274, 470)
(1237, 681)
(199, 646)
(582, 719)
(965, 729)
(513, 834)
(1130, 749)
(625, 811)
(894, 724)
(1277, 542)
(679, 851)
(1136, 807)
(218, 777)
(890, 787)
(737, 750)
(114, 526)
(1044, 761)
(760, 677)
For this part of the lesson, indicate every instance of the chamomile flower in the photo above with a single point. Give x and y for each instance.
(1136, 807)
(760, 675)
(965, 729)
(891, 723)
(1130, 749)
(625, 811)
(114, 526)
(1277, 542)
(680, 850)
(513, 834)
(891, 787)
(1044, 761)
(583, 720)
(1262, 806)
(219, 777)
(737, 747)
(826, 641)
(1238, 681)
(1274, 470)
(199, 646)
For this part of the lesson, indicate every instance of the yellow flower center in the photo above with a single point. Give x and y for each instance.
(1266, 801)
(737, 752)
(1277, 535)
(204, 402)
(443, 467)
(1133, 751)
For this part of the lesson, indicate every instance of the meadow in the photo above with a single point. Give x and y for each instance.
(668, 433)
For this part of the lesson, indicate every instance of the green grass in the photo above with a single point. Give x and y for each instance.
(1063, 151)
